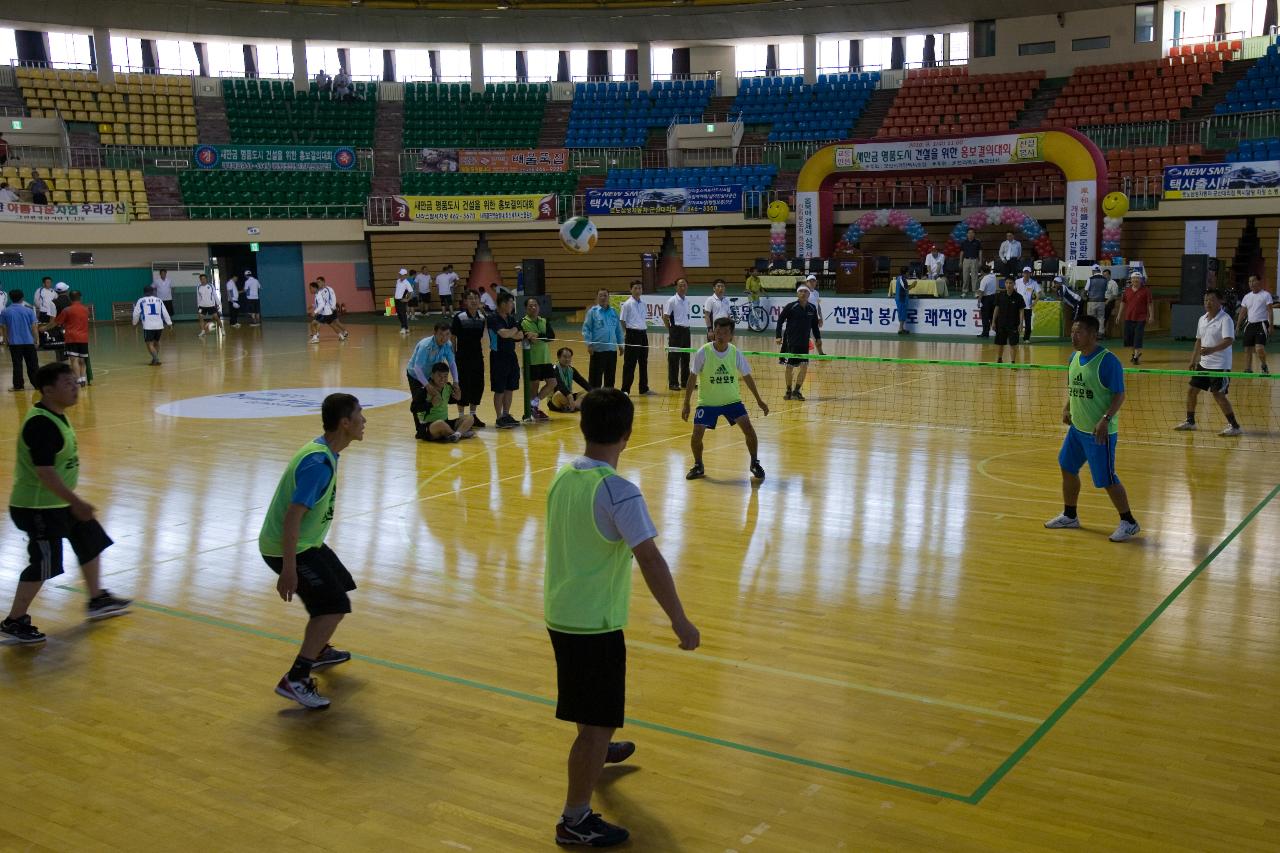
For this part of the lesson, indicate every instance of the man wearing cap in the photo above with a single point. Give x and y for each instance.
(164, 289)
(252, 302)
(45, 309)
(797, 322)
(811, 282)
(1030, 290)
(1138, 311)
(987, 295)
(1095, 294)
(404, 290)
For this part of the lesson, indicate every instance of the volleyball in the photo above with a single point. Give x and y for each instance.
(778, 211)
(578, 235)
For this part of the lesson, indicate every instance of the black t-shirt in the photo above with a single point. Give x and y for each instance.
(43, 438)
(971, 248)
(502, 346)
(1010, 306)
(469, 333)
(795, 324)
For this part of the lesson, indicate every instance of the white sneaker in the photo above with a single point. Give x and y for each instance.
(1230, 430)
(1126, 530)
(315, 339)
(200, 334)
(235, 325)
(404, 331)
(1061, 521)
(302, 692)
(344, 336)
(1186, 426)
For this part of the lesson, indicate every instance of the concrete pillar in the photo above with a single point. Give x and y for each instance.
(644, 65)
(301, 80)
(477, 67)
(102, 55)
(810, 59)
(946, 48)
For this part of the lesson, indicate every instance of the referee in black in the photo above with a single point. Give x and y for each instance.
(676, 318)
(796, 323)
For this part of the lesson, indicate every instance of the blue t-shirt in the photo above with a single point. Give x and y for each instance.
(18, 320)
(499, 344)
(312, 477)
(1110, 372)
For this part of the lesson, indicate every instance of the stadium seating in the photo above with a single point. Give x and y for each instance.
(1255, 149)
(751, 178)
(826, 110)
(948, 100)
(1260, 88)
(138, 109)
(617, 115)
(505, 115)
(278, 195)
(457, 183)
(270, 112)
(87, 186)
(1132, 92)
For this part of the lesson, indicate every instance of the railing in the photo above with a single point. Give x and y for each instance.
(211, 212)
(1220, 130)
(705, 117)
(142, 69)
(1216, 38)
(56, 66)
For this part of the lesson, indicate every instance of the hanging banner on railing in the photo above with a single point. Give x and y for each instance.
(274, 158)
(727, 199)
(474, 208)
(1007, 150)
(1259, 179)
(104, 213)
(534, 160)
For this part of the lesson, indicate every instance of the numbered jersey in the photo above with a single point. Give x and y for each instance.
(149, 311)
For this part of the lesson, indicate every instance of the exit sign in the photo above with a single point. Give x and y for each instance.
(253, 247)
(711, 128)
(15, 124)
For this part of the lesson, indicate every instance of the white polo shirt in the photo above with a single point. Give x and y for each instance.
(1211, 331)
(445, 282)
(715, 308)
(677, 310)
(1258, 305)
(633, 314)
(403, 289)
(251, 287)
(988, 285)
(1028, 289)
(935, 263)
(164, 289)
(424, 284)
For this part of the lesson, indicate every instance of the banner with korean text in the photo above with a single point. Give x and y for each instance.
(1008, 150)
(475, 208)
(535, 160)
(1260, 179)
(104, 213)
(726, 199)
(274, 158)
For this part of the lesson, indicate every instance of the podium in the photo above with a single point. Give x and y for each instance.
(853, 272)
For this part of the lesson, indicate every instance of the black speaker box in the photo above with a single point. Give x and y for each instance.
(1199, 272)
(535, 276)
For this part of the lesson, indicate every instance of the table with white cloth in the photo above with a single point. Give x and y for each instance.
(924, 287)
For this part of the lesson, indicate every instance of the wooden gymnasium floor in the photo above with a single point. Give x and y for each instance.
(896, 655)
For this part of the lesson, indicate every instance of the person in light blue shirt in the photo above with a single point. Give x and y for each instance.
(602, 333)
(429, 352)
(19, 322)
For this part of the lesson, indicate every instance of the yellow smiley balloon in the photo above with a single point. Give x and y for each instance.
(1115, 204)
(778, 211)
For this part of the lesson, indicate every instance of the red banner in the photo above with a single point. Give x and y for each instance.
(533, 160)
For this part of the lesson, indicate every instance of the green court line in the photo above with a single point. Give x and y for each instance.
(542, 700)
(1076, 695)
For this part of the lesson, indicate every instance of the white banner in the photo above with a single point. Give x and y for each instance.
(941, 153)
(1082, 226)
(697, 252)
(94, 214)
(843, 314)
(808, 238)
(1200, 237)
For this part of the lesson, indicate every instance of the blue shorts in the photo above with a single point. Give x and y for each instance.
(707, 416)
(1080, 447)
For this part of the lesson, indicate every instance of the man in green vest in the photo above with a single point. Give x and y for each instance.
(45, 506)
(537, 331)
(292, 544)
(434, 423)
(718, 368)
(596, 522)
(1095, 393)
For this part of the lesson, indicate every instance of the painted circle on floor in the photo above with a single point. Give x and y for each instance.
(273, 403)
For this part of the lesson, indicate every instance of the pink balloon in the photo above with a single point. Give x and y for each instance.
(1012, 216)
(977, 220)
(867, 220)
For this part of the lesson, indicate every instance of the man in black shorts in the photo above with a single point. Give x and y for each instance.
(796, 323)
(504, 367)
(292, 544)
(1215, 334)
(585, 602)
(1008, 319)
(434, 423)
(45, 506)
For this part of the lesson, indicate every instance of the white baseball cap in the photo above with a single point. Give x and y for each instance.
(1097, 268)
(61, 287)
(1026, 269)
(404, 272)
(1057, 279)
(811, 277)
(248, 272)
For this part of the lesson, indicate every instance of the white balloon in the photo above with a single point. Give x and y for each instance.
(882, 218)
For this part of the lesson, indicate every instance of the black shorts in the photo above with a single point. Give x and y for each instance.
(591, 678)
(152, 335)
(77, 350)
(1212, 384)
(1008, 336)
(253, 306)
(208, 312)
(1255, 334)
(504, 372)
(323, 582)
(1133, 333)
(451, 423)
(791, 358)
(46, 528)
(326, 319)
(538, 372)
(446, 300)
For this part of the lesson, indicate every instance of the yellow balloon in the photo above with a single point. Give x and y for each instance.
(778, 211)
(1115, 204)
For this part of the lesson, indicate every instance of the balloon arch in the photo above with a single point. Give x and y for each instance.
(887, 219)
(1011, 217)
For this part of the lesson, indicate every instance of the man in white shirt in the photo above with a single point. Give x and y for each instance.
(987, 288)
(424, 291)
(1255, 316)
(324, 311)
(149, 311)
(635, 328)
(1010, 251)
(1215, 333)
(44, 301)
(1030, 290)
(252, 298)
(207, 305)
(487, 301)
(811, 282)
(233, 303)
(934, 262)
(404, 290)
(675, 316)
(6, 194)
(164, 289)
(716, 306)
(445, 283)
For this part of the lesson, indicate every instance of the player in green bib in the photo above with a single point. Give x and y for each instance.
(434, 423)
(292, 544)
(44, 505)
(596, 522)
(1095, 393)
(718, 372)
(537, 354)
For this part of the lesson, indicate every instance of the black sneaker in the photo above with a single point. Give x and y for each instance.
(21, 630)
(757, 471)
(591, 831)
(695, 472)
(619, 751)
(330, 657)
(477, 423)
(105, 605)
(787, 396)
(506, 422)
(796, 395)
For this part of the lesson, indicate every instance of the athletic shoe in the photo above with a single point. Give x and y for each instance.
(786, 396)
(673, 387)
(477, 423)
(757, 471)
(404, 331)
(344, 336)
(540, 416)
(796, 395)
(1062, 521)
(315, 339)
(619, 751)
(200, 334)
(17, 390)
(1265, 371)
(454, 438)
(302, 692)
(235, 325)
(82, 381)
(154, 362)
(1232, 430)
(469, 434)
(1126, 530)
(21, 630)
(648, 392)
(105, 605)
(1248, 370)
(506, 422)
(696, 472)
(330, 657)
(591, 831)
(1186, 426)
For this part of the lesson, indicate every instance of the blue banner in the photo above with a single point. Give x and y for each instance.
(274, 158)
(1223, 180)
(727, 199)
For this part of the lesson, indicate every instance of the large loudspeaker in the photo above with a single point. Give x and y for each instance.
(535, 276)
(1199, 272)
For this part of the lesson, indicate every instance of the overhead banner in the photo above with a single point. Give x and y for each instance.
(274, 158)
(1008, 150)
(536, 160)
(1259, 179)
(105, 213)
(475, 208)
(726, 199)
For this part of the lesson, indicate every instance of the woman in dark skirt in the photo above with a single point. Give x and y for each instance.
(468, 330)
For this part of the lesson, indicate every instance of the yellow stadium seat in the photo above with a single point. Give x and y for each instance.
(81, 115)
(77, 197)
(137, 185)
(107, 138)
(58, 174)
(92, 196)
(59, 197)
(109, 195)
(126, 197)
(91, 185)
(24, 172)
(75, 173)
(135, 174)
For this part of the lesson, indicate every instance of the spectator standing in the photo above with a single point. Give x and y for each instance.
(716, 306)
(1138, 312)
(635, 324)
(1095, 294)
(970, 263)
(233, 302)
(675, 316)
(1010, 252)
(487, 301)
(752, 285)
(445, 283)
(987, 289)
(1113, 301)
(342, 86)
(504, 367)
(404, 291)
(324, 83)
(253, 298)
(424, 291)
(602, 333)
(74, 320)
(537, 331)
(150, 313)
(796, 324)
(1008, 320)
(1029, 289)
(38, 188)
(45, 298)
(21, 333)
(1255, 316)
(164, 290)
(468, 330)
(1215, 333)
